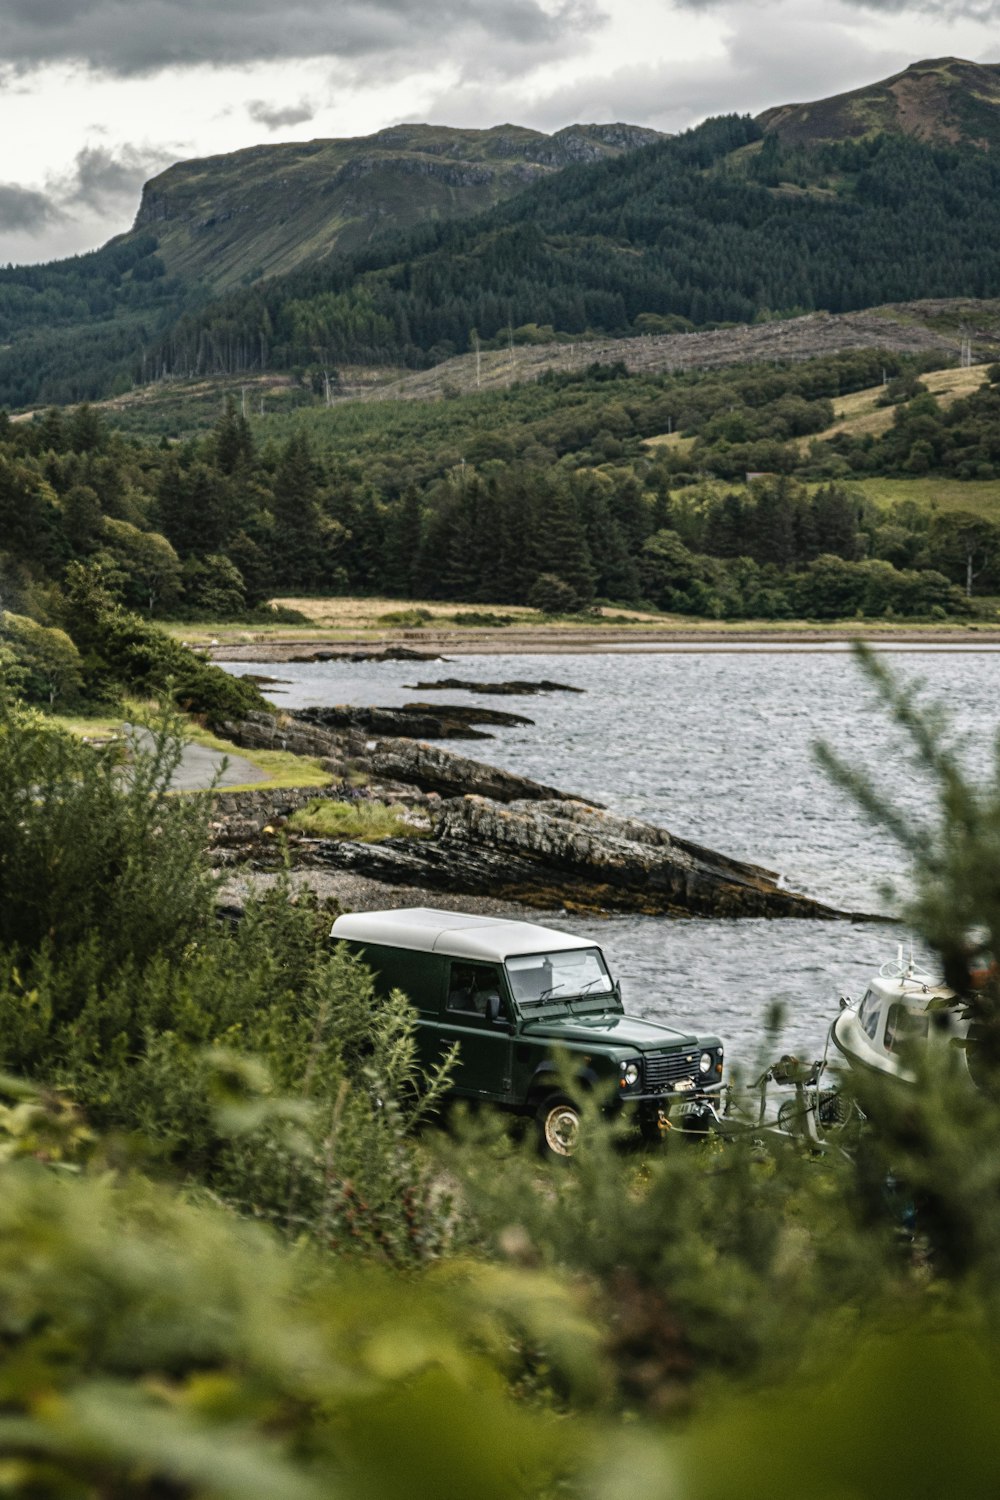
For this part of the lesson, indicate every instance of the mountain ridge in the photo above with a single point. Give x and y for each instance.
(421, 242)
(265, 210)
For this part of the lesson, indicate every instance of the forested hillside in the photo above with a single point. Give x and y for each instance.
(725, 224)
(718, 225)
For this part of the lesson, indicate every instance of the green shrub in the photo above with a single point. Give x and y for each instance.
(94, 856)
(412, 619)
(551, 595)
(50, 663)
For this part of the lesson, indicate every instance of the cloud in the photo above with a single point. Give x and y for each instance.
(102, 178)
(102, 183)
(752, 67)
(942, 10)
(135, 37)
(26, 210)
(276, 116)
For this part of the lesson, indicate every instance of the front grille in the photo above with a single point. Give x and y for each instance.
(663, 1070)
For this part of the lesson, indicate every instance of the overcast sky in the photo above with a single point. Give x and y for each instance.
(98, 95)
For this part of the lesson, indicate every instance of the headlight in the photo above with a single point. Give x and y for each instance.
(630, 1075)
(705, 1062)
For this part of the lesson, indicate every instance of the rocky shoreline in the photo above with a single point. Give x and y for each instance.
(484, 835)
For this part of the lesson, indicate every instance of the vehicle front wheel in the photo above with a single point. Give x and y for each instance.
(558, 1121)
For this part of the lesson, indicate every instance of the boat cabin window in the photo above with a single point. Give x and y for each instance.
(563, 975)
(903, 1027)
(869, 1012)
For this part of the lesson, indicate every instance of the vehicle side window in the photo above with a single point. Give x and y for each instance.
(470, 987)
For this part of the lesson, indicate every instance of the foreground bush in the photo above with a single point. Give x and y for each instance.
(119, 984)
(229, 1265)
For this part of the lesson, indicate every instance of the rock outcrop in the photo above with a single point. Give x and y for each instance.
(552, 854)
(494, 689)
(387, 653)
(420, 721)
(398, 763)
(502, 836)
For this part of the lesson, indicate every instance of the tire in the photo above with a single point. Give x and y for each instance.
(558, 1121)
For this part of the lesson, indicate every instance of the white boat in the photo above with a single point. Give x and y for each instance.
(902, 1006)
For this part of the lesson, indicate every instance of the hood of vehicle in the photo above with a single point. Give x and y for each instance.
(612, 1030)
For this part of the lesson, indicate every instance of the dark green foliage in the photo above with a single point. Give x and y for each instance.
(123, 651)
(474, 499)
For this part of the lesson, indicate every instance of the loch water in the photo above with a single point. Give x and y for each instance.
(717, 746)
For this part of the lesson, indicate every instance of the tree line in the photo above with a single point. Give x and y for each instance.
(546, 512)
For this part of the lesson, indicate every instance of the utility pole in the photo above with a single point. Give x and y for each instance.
(479, 360)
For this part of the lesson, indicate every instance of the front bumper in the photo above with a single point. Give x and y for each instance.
(661, 1096)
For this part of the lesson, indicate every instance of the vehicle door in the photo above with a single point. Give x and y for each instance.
(478, 1016)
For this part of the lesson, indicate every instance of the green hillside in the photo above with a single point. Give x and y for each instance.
(946, 101)
(233, 219)
(692, 231)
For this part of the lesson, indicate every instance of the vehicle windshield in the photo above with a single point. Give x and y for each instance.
(572, 972)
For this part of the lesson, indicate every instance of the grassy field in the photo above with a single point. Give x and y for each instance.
(364, 822)
(385, 619)
(566, 634)
(859, 413)
(980, 496)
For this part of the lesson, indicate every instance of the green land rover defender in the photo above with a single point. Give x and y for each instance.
(538, 1018)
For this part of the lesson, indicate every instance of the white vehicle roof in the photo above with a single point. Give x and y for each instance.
(455, 933)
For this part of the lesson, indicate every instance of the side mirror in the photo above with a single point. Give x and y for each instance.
(492, 1009)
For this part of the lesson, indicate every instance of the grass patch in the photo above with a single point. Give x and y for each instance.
(860, 414)
(366, 822)
(980, 496)
(282, 767)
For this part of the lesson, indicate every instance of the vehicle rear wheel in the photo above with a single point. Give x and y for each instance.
(558, 1121)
